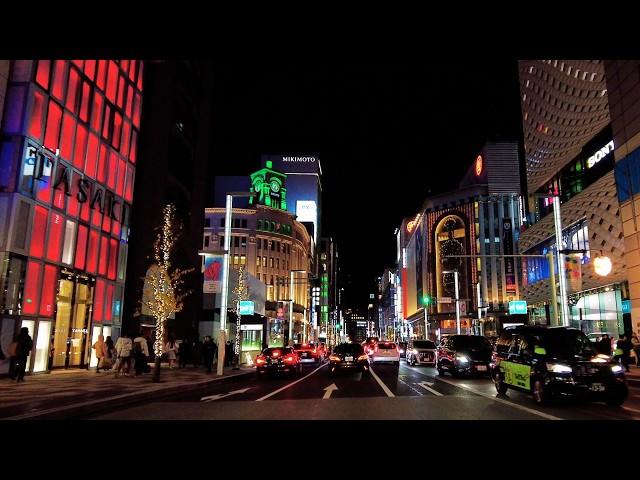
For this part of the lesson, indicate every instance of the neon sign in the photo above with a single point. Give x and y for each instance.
(479, 165)
(600, 154)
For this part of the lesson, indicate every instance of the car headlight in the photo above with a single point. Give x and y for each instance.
(558, 368)
(616, 368)
(462, 359)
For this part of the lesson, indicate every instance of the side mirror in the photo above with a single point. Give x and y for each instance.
(539, 350)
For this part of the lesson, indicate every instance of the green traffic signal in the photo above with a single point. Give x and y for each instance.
(427, 300)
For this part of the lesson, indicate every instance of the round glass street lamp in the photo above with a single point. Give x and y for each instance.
(602, 266)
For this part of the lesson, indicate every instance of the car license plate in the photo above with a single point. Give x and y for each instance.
(597, 387)
(348, 359)
(305, 355)
(481, 368)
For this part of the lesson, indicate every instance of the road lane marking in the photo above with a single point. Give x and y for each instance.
(427, 386)
(500, 400)
(634, 410)
(329, 390)
(289, 384)
(381, 383)
(420, 394)
(212, 398)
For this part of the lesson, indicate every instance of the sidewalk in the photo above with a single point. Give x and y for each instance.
(66, 394)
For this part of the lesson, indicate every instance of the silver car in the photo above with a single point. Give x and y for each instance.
(421, 352)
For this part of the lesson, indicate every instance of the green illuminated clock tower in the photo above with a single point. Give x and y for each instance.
(270, 189)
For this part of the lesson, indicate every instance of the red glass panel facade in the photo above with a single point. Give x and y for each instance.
(42, 73)
(31, 288)
(66, 139)
(104, 255)
(80, 147)
(96, 114)
(49, 286)
(92, 156)
(56, 231)
(72, 90)
(108, 303)
(84, 102)
(52, 131)
(59, 77)
(113, 259)
(92, 251)
(98, 301)
(37, 112)
(90, 69)
(81, 247)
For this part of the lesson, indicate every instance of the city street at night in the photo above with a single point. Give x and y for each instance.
(412, 393)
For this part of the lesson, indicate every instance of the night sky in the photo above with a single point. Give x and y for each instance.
(387, 134)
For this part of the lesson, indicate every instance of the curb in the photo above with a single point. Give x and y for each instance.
(73, 411)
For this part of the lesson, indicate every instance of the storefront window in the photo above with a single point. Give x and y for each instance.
(42, 346)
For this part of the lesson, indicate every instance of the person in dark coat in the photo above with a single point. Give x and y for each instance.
(25, 344)
(185, 353)
(228, 353)
(604, 345)
(623, 351)
(209, 351)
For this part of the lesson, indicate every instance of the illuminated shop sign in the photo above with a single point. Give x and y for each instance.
(478, 165)
(600, 154)
(38, 165)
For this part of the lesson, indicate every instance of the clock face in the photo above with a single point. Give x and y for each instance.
(478, 165)
(275, 186)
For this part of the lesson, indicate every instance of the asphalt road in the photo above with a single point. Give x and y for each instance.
(404, 393)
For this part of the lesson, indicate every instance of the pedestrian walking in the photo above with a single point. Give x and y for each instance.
(25, 344)
(228, 353)
(101, 350)
(623, 349)
(110, 354)
(209, 350)
(635, 344)
(123, 349)
(171, 348)
(604, 345)
(184, 353)
(140, 354)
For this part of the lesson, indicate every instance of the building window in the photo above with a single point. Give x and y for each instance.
(271, 262)
(207, 222)
(222, 223)
(277, 263)
(264, 261)
(278, 246)
(243, 259)
(257, 261)
(206, 241)
(243, 241)
(221, 241)
(235, 259)
(264, 244)
(244, 223)
(236, 241)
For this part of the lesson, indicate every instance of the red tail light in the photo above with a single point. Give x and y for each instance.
(260, 360)
(275, 354)
(376, 348)
(290, 358)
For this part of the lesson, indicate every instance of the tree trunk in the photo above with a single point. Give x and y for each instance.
(156, 369)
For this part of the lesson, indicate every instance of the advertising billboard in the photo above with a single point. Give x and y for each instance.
(212, 274)
(293, 163)
(509, 262)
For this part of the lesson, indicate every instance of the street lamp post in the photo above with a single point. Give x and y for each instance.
(222, 337)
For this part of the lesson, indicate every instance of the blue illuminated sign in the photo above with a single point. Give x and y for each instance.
(246, 307)
(626, 306)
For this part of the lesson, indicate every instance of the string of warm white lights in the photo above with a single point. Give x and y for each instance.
(240, 292)
(165, 285)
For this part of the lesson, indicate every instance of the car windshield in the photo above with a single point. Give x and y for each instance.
(470, 341)
(424, 344)
(567, 344)
(352, 348)
(386, 346)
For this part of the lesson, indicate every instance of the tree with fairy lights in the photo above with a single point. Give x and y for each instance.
(166, 283)
(240, 293)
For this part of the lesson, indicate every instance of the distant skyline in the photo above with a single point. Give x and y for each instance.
(388, 135)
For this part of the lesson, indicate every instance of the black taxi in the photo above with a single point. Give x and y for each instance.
(548, 362)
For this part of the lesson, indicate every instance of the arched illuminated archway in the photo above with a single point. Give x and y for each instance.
(450, 239)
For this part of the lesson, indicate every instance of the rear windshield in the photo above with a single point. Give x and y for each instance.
(470, 341)
(424, 344)
(301, 346)
(349, 348)
(281, 351)
(386, 346)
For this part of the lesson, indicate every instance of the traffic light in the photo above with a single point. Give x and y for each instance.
(427, 300)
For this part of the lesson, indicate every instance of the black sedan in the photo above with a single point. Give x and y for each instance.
(349, 357)
(464, 354)
(278, 360)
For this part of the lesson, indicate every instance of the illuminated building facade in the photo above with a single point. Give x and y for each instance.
(569, 147)
(67, 166)
(270, 243)
(482, 217)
